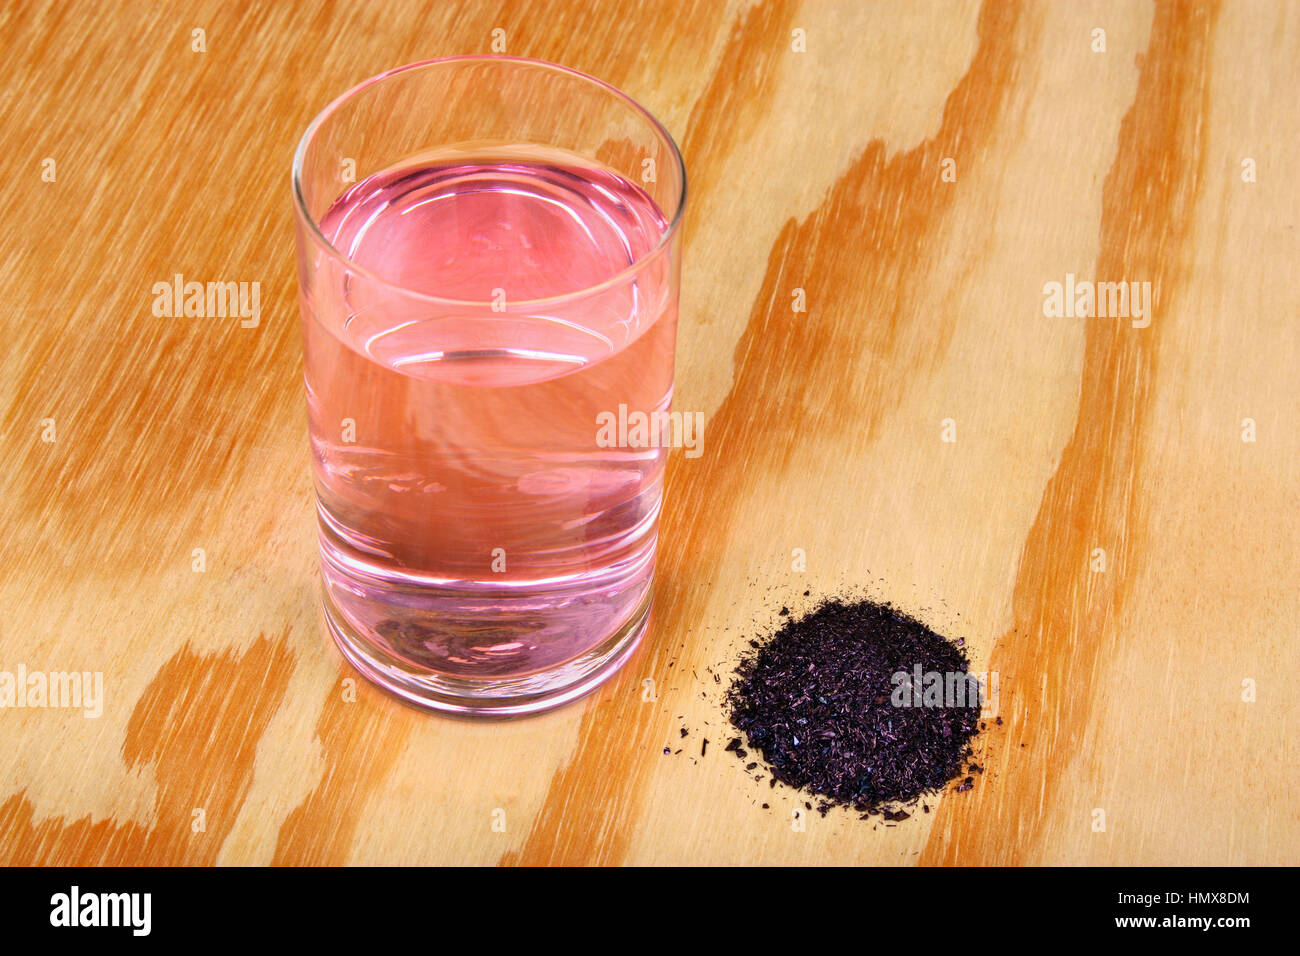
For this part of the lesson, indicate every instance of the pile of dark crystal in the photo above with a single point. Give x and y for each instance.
(831, 703)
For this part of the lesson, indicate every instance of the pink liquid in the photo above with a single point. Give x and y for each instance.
(471, 524)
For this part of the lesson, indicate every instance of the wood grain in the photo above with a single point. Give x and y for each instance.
(230, 732)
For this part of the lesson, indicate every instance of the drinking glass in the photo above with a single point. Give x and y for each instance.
(488, 261)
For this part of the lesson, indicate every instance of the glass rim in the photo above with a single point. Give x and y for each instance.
(316, 235)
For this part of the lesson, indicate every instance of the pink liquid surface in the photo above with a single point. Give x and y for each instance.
(470, 522)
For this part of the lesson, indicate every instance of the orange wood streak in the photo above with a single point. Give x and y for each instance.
(1065, 616)
(741, 87)
(196, 726)
(360, 741)
(861, 253)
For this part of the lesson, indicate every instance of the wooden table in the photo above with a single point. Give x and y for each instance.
(1105, 509)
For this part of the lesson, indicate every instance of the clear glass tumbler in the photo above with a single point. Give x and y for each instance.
(488, 258)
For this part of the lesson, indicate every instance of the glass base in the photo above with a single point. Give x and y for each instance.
(490, 697)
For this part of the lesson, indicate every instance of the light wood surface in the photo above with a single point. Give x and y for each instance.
(227, 734)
